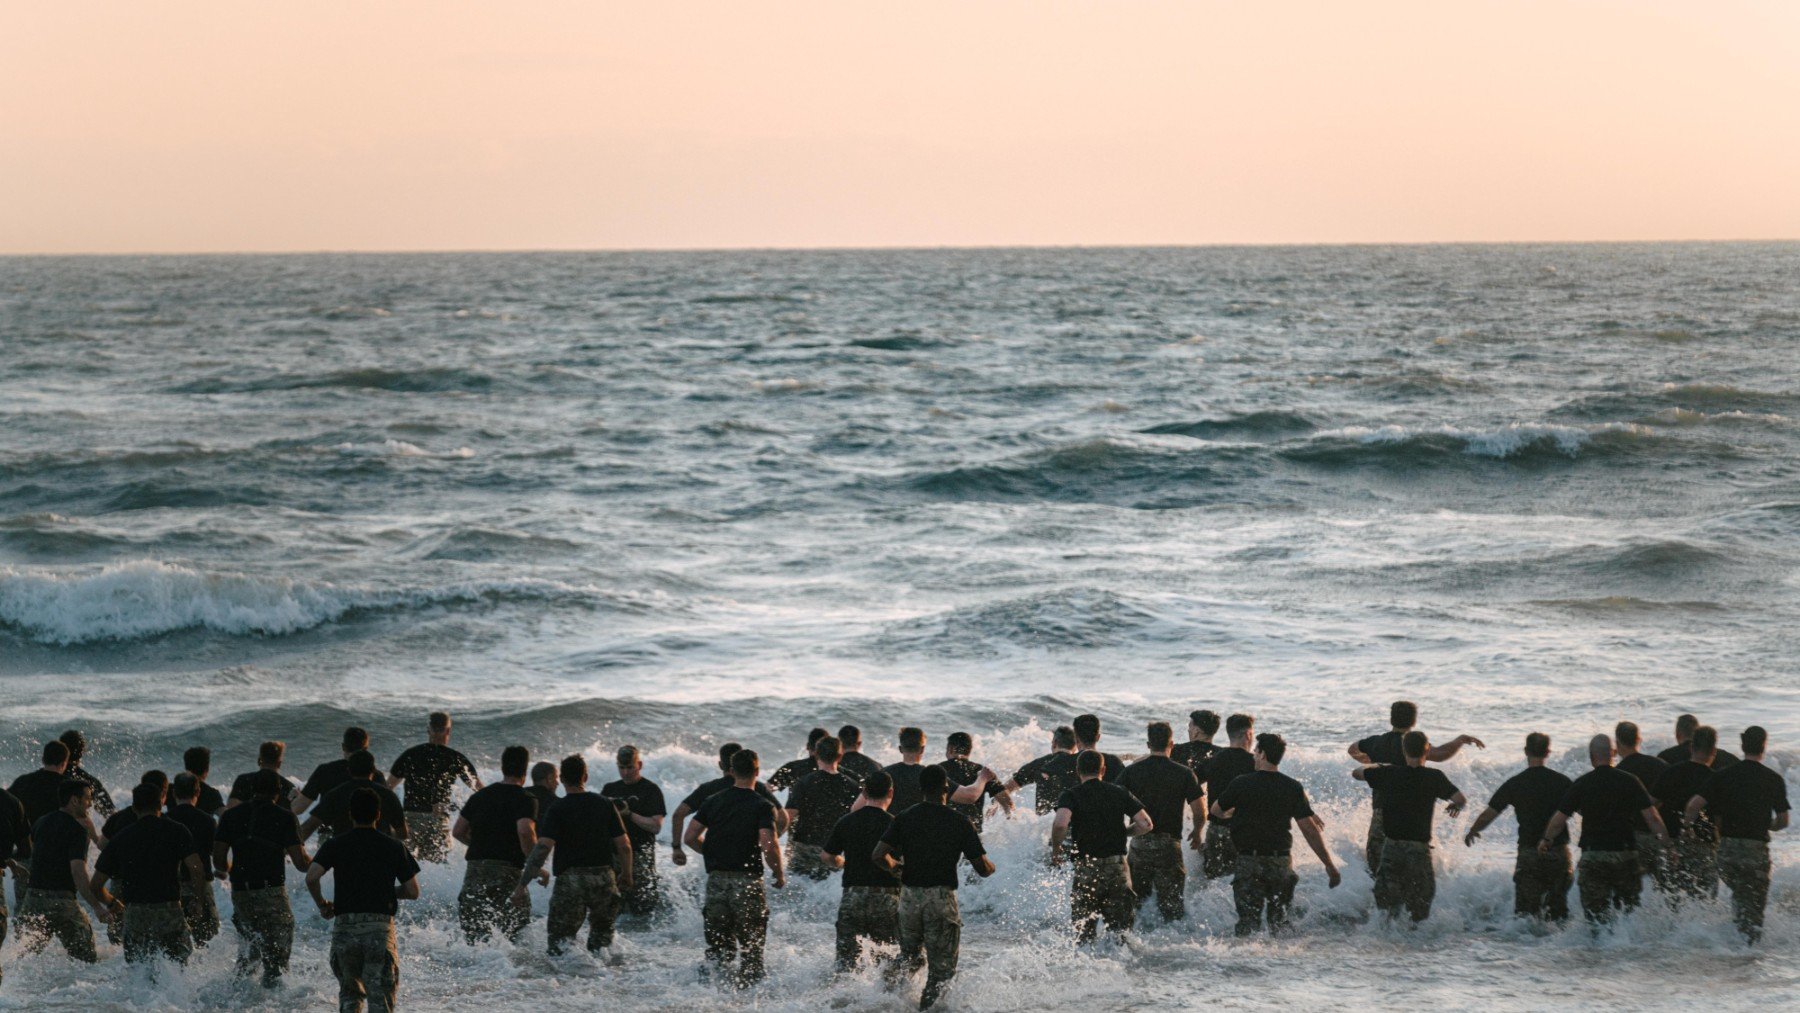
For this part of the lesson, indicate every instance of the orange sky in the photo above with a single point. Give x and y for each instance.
(606, 124)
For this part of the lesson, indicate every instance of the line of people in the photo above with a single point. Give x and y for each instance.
(897, 835)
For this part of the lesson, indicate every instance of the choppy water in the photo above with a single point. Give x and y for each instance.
(678, 498)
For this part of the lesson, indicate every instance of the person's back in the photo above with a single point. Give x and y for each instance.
(371, 872)
(1412, 795)
(933, 838)
(498, 826)
(146, 859)
(1219, 857)
(1745, 798)
(365, 864)
(1672, 791)
(258, 834)
(493, 814)
(1541, 878)
(430, 772)
(906, 784)
(1409, 794)
(733, 819)
(820, 799)
(924, 845)
(1169, 791)
(1606, 799)
(1051, 774)
(1533, 794)
(1098, 818)
(333, 809)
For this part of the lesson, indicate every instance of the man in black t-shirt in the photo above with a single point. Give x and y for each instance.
(1541, 880)
(1606, 798)
(1202, 726)
(1087, 739)
(1052, 774)
(59, 875)
(690, 805)
(1385, 750)
(1218, 857)
(268, 757)
(644, 814)
(870, 904)
(127, 816)
(735, 832)
(197, 904)
(971, 783)
(814, 805)
(544, 783)
(854, 762)
(905, 774)
(1684, 733)
(1262, 805)
(333, 810)
(792, 771)
(197, 760)
(37, 795)
(594, 863)
(149, 858)
(430, 771)
(498, 824)
(1410, 793)
(1647, 769)
(1694, 866)
(1747, 800)
(1098, 817)
(77, 743)
(371, 873)
(922, 846)
(1167, 789)
(252, 841)
(327, 776)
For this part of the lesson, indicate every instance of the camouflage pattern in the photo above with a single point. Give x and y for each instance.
(1744, 866)
(1377, 838)
(806, 860)
(201, 910)
(1101, 890)
(428, 836)
(1695, 868)
(736, 912)
(1541, 883)
(589, 894)
(365, 962)
(47, 914)
(1653, 861)
(930, 936)
(1264, 883)
(151, 930)
(1157, 868)
(1405, 879)
(485, 902)
(1607, 882)
(872, 911)
(645, 895)
(265, 928)
(1218, 855)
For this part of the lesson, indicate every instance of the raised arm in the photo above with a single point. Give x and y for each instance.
(1440, 753)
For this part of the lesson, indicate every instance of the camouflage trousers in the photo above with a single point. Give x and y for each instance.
(1102, 890)
(930, 935)
(1377, 837)
(1405, 879)
(1653, 860)
(201, 910)
(645, 895)
(1695, 869)
(1608, 881)
(1157, 868)
(149, 930)
(589, 894)
(265, 928)
(1218, 856)
(365, 962)
(485, 902)
(1264, 883)
(428, 836)
(1744, 866)
(47, 914)
(872, 911)
(1541, 883)
(805, 860)
(736, 914)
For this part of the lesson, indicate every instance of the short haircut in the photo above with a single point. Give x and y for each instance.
(850, 737)
(1403, 714)
(1238, 724)
(184, 787)
(1600, 748)
(1754, 740)
(197, 759)
(829, 750)
(55, 753)
(744, 763)
(1272, 747)
(360, 763)
(960, 743)
(813, 737)
(1205, 720)
(147, 797)
(878, 785)
(574, 770)
(1537, 744)
(70, 788)
(365, 806)
(912, 740)
(270, 753)
(76, 743)
(1090, 762)
(1625, 733)
(156, 777)
(355, 738)
(1159, 736)
(514, 761)
(726, 752)
(1087, 729)
(933, 782)
(1414, 744)
(1705, 740)
(438, 721)
(1685, 725)
(543, 770)
(265, 784)
(628, 755)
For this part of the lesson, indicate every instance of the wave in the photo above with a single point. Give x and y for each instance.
(1260, 424)
(1626, 605)
(1679, 401)
(476, 545)
(424, 380)
(1108, 470)
(1071, 619)
(895, 343)
(1515, 441)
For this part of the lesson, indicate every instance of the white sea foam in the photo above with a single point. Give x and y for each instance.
(1501, 442)
(400, 448)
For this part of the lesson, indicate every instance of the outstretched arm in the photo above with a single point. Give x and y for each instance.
(1440, 753)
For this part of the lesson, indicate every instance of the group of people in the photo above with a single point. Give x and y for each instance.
(902, 838)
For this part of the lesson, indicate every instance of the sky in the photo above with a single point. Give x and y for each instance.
(603, 124)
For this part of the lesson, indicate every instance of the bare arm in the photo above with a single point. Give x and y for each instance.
(622, 859)
(527, 829)
(984, 866)
(1488, 816)
(1141, 824)
(1358, 755)
(196, 870)
(650, 823)
(394, 782)
(1781, 821)
(534, 865)
(462, 831)
(1559, 821)
(94, 893)
(314, 877)
(1198, 809)
(1691, 817)
(301, 803)
(771, 849)
(1457, 802)
(408, 890)
(792, 815)
(831, 860)
(307, 826)
(221, 860)
(1440, 753)
(297, 855)
(885, 860)
(682, 812)
(1654, 818)
(1312, 829)
(696, 835)
(1059, 829)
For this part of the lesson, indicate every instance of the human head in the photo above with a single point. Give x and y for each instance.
(829, 750)
(630, 762)
(1062, 739)
(912, 741)
(850, 737)
(813, 737)
(879, 786)
(514, 761)
(157, 778)
(574, 771)
(1159, 736)
(959, 743)
(147, 798)
(76, 743)
(1684, 727)
(56, 755)
(437, 727)
(1270, 748)
(1087, 730)
(1090, 764)
(185, 788)
(361, 765)
(1703, 744)
(354, 738)
(1238, 727)
(725, 754)
(270, 754)
(933, 783)
(745, 765)
(1537, 746)
(1600, 751)
(265, 784)
(1625, 734)
(1414, 745)
(365, 807)
(1403, 714)
(1754, 741)
(197, 759)
(543, 774)
(1203, 724)
(74, 797)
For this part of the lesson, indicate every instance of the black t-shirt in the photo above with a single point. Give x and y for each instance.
(699, 795)
(907, 792)
(366, 865)
(1533, 793)
(734, 819)
(146, 858)
(328, 776)
(1608, 801)
(431, 772)
(1678, 753)
(103, 803)
(858, 765)
(819, 800)
(258, 833)
(1672, 791)
(1647, 769)
(584, 826)
(1744, 798)
(209, 802)
(14, 831)
(1053, 774)
(1098, 817)
(854, 837)
(646, 799)
(789, 774)
(1384, 750)
(117, 822)
(242, 792)
(1114, 770)
(203, 828)
(1225, 766)
(545, 797)
(962, 772)
(57, 839)
(1166, 788)
(494, 813)
(1193, 755)
(333, 809)
(36, 792)
(1410, 797)
(1266, 802)
(930, 838)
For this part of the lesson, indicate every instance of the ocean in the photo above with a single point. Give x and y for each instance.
(675, 499)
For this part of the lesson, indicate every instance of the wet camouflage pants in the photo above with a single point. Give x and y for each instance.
(1653, 860)
(1264, 883)
(47, 914)
(1541, 883)
(1377, 837)
(1608, 881)
(1744, 866)
(1157, 868)
(1102, 889)
(645, 895)
(1405, 879)
(806, 860)
(737, 924)
(930, 935)
(428, 836)
(151, 930)
(872, 911)
(589, 894)
(201, 911)
(365, 962)
(265, 928)
(1218, 856)
(485, 902)
(1695, 870)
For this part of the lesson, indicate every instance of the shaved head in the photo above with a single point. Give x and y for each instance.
(1600, 749)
